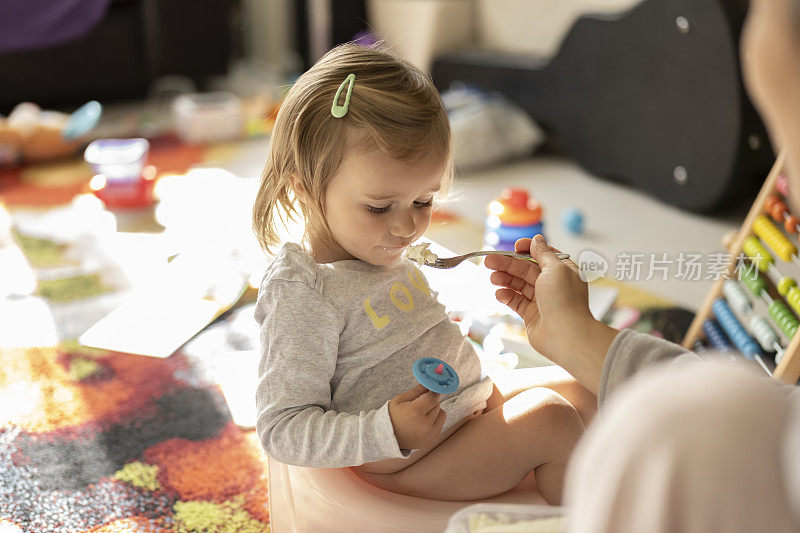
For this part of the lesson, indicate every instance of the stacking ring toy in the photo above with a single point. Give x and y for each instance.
(436, 375)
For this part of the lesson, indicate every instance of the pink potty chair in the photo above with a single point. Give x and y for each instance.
(336, 500)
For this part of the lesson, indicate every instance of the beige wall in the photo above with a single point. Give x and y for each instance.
(535, 26)
(418, 30)
(421, 29)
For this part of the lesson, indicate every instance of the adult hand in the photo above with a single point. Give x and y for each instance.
(553, 301)
(416, 417)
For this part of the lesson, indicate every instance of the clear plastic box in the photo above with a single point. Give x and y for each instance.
(208, 117)
(508, 518)
(119, 160)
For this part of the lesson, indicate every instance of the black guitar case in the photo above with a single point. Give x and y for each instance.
(653, 98)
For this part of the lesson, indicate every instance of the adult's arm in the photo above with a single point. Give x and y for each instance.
(629, 353)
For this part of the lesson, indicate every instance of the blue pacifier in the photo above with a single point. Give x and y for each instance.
(436, 375)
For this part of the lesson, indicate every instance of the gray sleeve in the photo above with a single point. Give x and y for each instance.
(299, 348)
(791, 459)
(632, 351)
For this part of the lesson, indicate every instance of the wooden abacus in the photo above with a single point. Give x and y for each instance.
(788, 368)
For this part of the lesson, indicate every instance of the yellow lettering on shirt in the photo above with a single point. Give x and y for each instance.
(377, 321)
(419, 281)
(399, 288)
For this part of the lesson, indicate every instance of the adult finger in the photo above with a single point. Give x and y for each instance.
(504, 279)
(514, 300)
(543, 254)
(523, 269)
(497, 262)
(525, 244)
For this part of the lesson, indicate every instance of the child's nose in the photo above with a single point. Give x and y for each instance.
(403, 225)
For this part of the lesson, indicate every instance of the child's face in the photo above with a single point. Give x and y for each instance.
(376, 206)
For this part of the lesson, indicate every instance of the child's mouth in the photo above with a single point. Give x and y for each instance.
(394, 249)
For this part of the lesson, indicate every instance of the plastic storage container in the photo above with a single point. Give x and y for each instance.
(512, 216)
(208, 117)
(119, 160)
(508, 518)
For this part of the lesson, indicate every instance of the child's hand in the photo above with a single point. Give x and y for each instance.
(550, 297)
(416, 417)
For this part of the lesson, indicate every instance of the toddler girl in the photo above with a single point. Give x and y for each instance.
(361, 147)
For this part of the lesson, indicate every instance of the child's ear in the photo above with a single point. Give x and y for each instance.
(297, 186)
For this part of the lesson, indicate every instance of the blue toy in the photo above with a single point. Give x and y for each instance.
(572, 220)
(82, 121)
(435, 375)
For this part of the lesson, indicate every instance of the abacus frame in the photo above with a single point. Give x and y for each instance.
(788, 370)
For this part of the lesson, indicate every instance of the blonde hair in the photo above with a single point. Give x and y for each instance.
(393, 106)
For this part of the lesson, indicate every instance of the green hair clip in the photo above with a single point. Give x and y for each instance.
(337, 110)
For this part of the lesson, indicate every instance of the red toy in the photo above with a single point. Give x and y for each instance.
(131, 194)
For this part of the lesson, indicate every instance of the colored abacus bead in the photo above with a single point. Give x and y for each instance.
(698, 347)
(754, 249)
(763, 333)
(736, 296)
(777, 211)
(790, 224)
(783, 318)
(771, 200)
(785, 284)
(793, 298)
(773, 238)
(753, 281)
(715, 336)
(730, 324)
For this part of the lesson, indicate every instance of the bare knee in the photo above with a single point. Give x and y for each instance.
(542, 417)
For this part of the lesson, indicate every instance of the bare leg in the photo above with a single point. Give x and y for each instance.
(536, 430)
(512, 382)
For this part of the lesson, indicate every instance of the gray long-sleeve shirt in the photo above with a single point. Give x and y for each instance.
(630, 352)
(337, 343)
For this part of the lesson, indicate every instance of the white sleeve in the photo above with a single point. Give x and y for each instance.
(299, 347)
